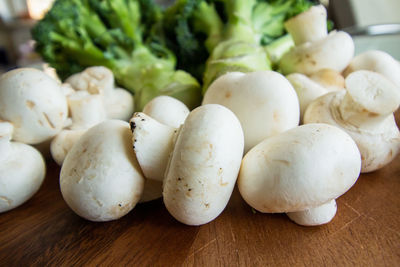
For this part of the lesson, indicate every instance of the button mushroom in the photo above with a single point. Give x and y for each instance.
(204, 165)
(86, 111)
(314, 48)
(365, 111)
(198, 162)
(377, 61)
(299, 171)
(100, 179)
(264, 102)
(100, 80)
(34, 103)
(22, 170)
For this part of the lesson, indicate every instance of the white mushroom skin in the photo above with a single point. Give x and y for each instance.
(167, 110)
(377, 61)
(100, 179)
(315, 49)
(22, 170)
(365, 112)
(34, 103)
(319, 215)
(86, 111)
(307, 90)
(153, 142)
(264, 102)
(204, 165)
(308, 26)
(330, 79)
(299, 169)
(99, 80)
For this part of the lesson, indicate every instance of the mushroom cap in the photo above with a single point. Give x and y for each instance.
(21, 175)
(377, 61)
(204, 165)
(379, 143)
(315, 216)
(34, 103)
(100, 179)
(264, 102)
(330, 79)
(299, 169)
(333, 52)
(167, 110)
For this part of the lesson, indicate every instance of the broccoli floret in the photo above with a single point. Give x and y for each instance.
(229, 35)
(122, 35)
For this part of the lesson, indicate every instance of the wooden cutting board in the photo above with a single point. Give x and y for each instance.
(364, 232)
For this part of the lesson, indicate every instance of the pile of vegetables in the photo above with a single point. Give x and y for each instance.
(259, 84)
(153, 52)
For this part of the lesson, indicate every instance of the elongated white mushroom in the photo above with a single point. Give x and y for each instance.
(204, 165)
(300, 170)
(34, 103)
(198, 162)
(315, 49)
(365, 111)
(377, 61)
(100, 179)
(264, 102)
(100, 80)
(22, 170)
(86, 111)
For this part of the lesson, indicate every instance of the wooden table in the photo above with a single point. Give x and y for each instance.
(364, 232)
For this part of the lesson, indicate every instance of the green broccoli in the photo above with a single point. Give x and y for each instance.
(123, 35)
(229, 35)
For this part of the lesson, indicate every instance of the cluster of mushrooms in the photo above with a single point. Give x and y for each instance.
(246, 132)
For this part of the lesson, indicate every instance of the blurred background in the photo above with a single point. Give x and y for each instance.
(373, 24)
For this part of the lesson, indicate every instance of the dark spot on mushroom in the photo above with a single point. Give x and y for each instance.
(228, 94)
(190, 189)
(142, 119)
(207, 205)
(133, 126)
(84, 150)
(30, 104)
(134, 140)
(313, 62)
(120, 205)
(133, 146)
(186, 185)
(48, 120)
(179, 179)
(307, 55)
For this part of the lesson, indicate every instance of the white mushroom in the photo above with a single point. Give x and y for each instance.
(152, 142)
(100, 80)
(167, 110)
(307, 90)
(299, 170)
(322, 214)
(315, 49)
(34, 103)
(377, 61)
(264, 102)
(100, 179)
(86, 111)
(204, 165)
(365, 111)
(22, 170)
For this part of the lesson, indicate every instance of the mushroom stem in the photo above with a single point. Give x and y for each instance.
(370, 98)
(321, 214)
(86, 110)
(152, 142)
(308, 26)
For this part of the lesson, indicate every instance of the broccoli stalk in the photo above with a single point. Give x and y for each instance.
(120, 35)
(229, 35)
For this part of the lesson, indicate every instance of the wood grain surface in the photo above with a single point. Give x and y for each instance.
(364, 232)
